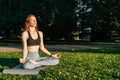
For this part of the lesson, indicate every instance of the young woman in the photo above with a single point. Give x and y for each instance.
(33, 41)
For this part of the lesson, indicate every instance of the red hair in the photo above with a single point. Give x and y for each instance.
(27, 27)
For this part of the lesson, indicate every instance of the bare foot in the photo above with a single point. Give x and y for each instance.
(34, 62)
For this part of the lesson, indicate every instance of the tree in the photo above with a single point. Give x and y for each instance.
(101, 16)
(104, 19)
(58, 18)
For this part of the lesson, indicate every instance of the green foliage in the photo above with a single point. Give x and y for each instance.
(99, 64)
(53, 16)
(58, 18)
(105, 19)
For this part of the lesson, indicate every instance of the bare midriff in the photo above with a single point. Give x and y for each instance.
(33, 48)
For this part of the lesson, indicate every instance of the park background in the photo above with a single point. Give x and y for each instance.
(66, 22)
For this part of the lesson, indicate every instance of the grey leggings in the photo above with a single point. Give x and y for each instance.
(43, 61)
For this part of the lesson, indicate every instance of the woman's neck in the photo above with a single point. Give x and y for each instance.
(32, 29)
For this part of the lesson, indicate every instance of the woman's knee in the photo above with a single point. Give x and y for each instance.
(55, 62)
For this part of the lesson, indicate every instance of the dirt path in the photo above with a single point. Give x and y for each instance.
(59, 47)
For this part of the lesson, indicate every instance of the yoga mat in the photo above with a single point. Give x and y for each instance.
(20, 70)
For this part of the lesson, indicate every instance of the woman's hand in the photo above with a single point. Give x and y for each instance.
(21, 60)
(57, 55)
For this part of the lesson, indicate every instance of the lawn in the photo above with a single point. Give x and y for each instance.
(98, 64)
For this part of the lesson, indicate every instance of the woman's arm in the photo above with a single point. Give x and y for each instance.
(25, 51)
(42, 48)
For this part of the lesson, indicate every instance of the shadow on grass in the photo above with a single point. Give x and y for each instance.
(95, 51)
(8, 63)
(103, 51)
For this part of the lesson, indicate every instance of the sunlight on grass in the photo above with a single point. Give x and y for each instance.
(74, 65)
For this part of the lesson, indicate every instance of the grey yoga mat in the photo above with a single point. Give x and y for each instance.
(20, 70)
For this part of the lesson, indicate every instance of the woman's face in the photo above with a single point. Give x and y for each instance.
(33, 21)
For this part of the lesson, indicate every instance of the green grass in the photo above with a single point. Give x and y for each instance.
(98, 64)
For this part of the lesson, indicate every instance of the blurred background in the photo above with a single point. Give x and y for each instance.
(68, 20)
